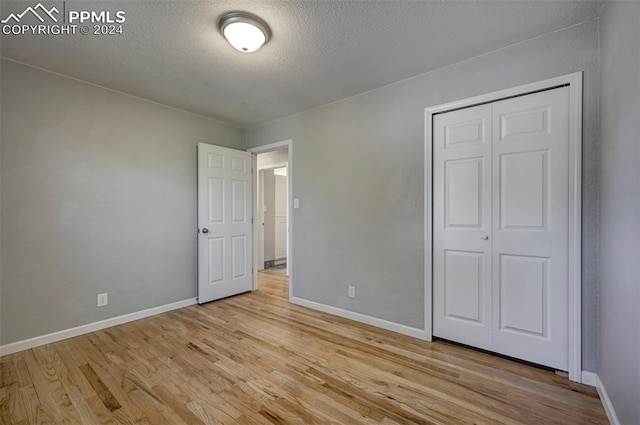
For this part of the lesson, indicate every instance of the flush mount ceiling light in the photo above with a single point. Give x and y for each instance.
(244, 31)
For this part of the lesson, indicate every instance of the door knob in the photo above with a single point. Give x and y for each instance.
(205, 230)
(485, 237)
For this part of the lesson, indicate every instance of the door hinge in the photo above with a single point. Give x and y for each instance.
(252, 221)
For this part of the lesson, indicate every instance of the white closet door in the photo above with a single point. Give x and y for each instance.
(462, 226)
(501, 226)
(531, 227)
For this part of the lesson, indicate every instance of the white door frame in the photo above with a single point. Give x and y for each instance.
(256, 229)
(260, 203)
(575, 207)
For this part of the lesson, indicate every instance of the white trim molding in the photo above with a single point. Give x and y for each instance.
(271, 146)
(592, 379)
(589, 378)
(273, 166)
(606, 402)
(574, 81)
(359, 317)
(428, 226)
(37, 341)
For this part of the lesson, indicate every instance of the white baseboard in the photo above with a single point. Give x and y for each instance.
(589, 378)
(362, 318)
(606, 402)
(26, 344)
(592, 379)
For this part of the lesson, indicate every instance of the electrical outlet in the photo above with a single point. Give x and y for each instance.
(352, 291)
(103, 299)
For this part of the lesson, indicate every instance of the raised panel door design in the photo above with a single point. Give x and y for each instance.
(215, 254)
(524, 122)
(215, 161)
(224, 222)
(463, 281)
(524, 190)
(216, 200)
(239, 260)
(239, 201)
(463, 192)
(524, 295)
(465, 133)
(239, 165)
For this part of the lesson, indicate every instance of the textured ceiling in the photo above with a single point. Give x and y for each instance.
(320, 52)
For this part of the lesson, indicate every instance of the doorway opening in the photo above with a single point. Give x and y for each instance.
(272, 212)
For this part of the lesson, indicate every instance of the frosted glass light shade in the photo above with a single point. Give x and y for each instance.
(244, 37)
(243, 31)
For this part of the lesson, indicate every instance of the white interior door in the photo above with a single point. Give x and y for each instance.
(462, 251)
(501, 226)
(224, 222)
(531, 227)
(280, 216)
(261, 210)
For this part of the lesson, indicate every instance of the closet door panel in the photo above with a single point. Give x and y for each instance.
(462, 223)
(530, 227)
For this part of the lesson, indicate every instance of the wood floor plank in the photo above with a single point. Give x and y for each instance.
(66, 355)
(78, 402)
(10, 409)
(257, 359)
(7, 372)
(116, 392)
(22, 375)
(153, 411)
(100, 411)
(50, 397)
(107, 398)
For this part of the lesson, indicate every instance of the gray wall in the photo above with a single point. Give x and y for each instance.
(0, 206)
(619, 344)
(98, 195)
(358, 171)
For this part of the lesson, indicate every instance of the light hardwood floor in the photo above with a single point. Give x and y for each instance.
(256, 359)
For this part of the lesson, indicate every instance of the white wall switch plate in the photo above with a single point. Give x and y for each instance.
(296, 203)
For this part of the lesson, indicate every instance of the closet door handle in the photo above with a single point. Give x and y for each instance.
(485, 238)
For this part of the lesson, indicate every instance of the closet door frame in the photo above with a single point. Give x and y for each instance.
(574, 81)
